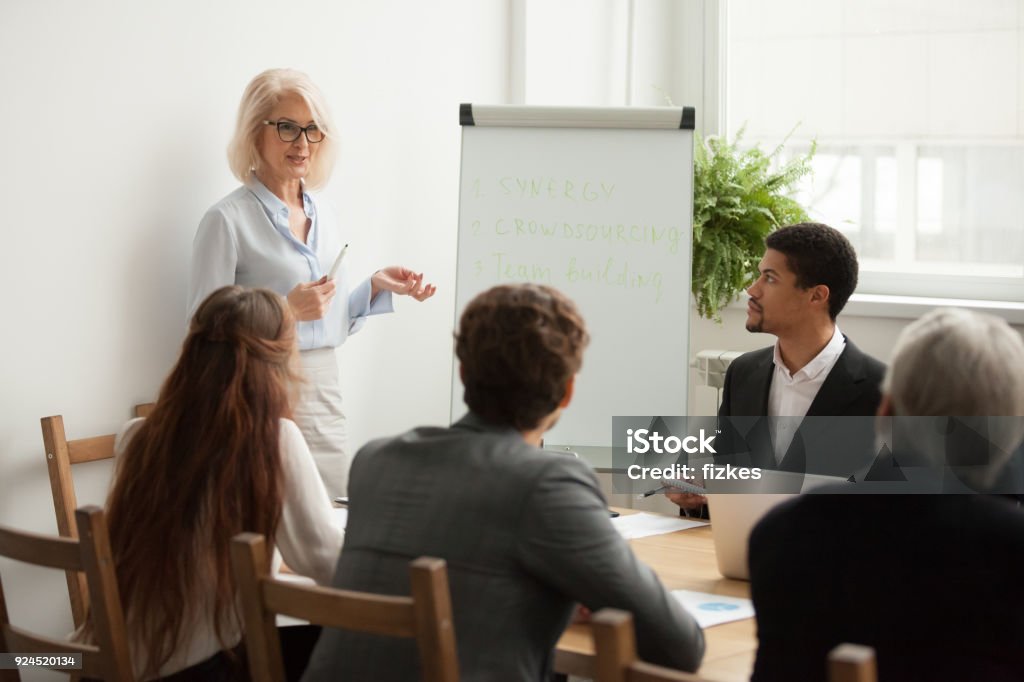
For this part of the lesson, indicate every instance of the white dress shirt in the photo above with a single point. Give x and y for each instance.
(791, 395)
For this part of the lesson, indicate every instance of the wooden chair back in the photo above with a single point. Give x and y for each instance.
(109, 658)
(61, 454)
(616, 659)
(852, 663)
(425, 616)
(615, 652)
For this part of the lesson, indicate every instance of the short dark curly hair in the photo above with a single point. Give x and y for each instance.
(519, 346)
(819, 254)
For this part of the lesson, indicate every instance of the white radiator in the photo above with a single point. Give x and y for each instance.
(711, 366)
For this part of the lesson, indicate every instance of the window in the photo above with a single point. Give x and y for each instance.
(915, 108)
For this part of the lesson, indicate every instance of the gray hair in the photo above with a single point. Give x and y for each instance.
(959, 363)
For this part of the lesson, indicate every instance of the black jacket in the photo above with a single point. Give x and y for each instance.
(835, 447)
(932, 582)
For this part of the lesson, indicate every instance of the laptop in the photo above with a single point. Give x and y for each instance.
(734, 515)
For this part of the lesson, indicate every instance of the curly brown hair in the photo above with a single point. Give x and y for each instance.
(819, 254)
(519, 345)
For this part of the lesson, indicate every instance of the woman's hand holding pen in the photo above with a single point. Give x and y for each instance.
(401, 281)
(310, 300)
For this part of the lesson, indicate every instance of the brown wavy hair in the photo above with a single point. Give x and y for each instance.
(202, 467)
(519, 345)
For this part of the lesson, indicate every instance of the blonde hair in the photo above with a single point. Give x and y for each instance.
(260, 97)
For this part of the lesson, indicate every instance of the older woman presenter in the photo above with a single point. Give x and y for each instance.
(271, 232)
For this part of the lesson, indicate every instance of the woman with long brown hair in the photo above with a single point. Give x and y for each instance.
(218, 455)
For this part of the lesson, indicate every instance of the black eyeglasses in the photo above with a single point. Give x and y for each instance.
(289, 131)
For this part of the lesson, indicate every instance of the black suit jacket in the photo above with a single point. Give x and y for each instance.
(851, 389)
(932, 582)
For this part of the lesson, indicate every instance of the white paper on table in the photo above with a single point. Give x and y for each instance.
(631, 526)
(714, 609)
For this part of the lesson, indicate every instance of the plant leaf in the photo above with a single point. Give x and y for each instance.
(739, 199)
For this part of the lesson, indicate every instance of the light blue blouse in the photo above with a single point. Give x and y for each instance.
(244, 239)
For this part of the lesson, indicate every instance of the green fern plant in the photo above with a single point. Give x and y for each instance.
(740, 196)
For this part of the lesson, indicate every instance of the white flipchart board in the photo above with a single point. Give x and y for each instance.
(598, 203)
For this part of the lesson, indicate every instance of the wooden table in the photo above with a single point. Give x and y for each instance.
(684, 560)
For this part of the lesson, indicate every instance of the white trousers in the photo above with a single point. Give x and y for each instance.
(321, 419)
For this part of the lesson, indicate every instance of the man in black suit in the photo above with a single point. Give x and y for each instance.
(932, 582)
(807, 274)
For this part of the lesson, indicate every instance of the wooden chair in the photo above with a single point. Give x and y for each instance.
(108, 660)
(616, 659)
(425, 616)
(852, 663)
(61, 453)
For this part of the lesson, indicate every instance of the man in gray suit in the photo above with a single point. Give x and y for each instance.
(525, 532)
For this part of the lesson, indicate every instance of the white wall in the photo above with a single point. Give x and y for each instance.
(116, 116)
